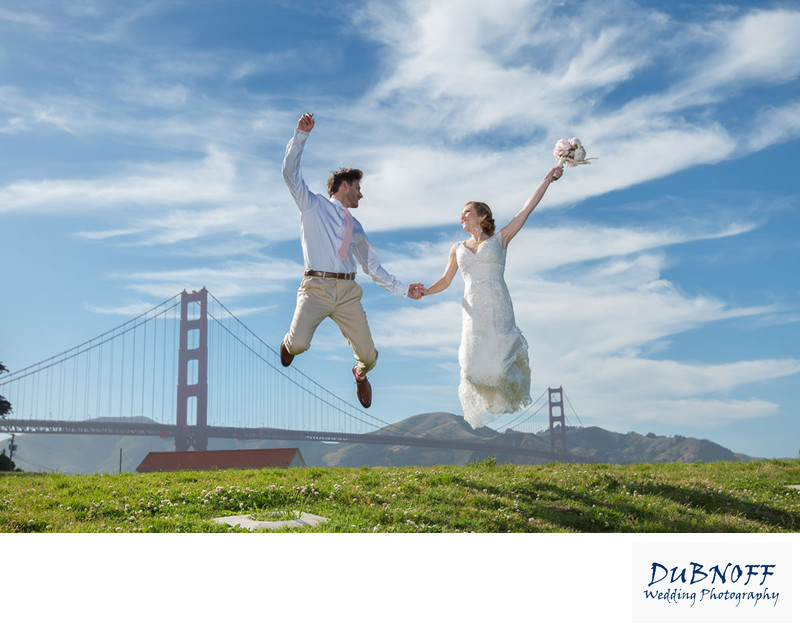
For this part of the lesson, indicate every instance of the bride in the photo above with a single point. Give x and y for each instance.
(493, 355)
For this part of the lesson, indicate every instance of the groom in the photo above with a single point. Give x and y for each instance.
(332, 241)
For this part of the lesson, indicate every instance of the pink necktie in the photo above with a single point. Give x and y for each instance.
(344, 251)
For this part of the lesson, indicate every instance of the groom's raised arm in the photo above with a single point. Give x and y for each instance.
(292, 170)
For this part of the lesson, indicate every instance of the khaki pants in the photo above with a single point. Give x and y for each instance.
(340, 300)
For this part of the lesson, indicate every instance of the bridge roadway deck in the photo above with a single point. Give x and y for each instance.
(383, 437)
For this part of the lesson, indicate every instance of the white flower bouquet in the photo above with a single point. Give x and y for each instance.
(570, 153)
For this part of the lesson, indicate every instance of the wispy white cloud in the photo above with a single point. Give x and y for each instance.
(99, 235)
(233, 280)
(775, 126)
(465, 67)
(34, 20)
(131, 309)
(759, 47)
(180, 226)
(207, 180)
(635, 392)
(538, 249)
(135, 309)
(112, 22)
(26, 114)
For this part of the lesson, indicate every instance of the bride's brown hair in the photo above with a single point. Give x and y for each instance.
(483, 210)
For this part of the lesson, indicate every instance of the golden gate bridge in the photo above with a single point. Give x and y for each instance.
(226, 383)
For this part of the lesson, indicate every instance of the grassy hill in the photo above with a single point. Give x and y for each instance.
(482, 497)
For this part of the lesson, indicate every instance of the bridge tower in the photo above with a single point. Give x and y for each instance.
(193, 360)
(557, 429)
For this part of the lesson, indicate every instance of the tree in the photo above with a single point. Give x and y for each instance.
(5, 462)
(5, 405)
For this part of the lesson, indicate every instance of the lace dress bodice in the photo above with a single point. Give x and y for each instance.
(493, 355)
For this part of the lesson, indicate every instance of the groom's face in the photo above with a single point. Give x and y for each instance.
(351, 193)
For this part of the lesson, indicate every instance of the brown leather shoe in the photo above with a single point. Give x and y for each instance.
(286, 356)
(363, 389)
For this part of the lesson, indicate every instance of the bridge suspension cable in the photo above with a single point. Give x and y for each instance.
(317, 408)
(103, 377)
(523, 416)
(573, 410)
(91, 344)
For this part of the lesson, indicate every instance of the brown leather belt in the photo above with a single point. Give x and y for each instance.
(337, 275)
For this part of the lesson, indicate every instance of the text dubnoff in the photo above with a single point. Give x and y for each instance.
(712, 583)
(742, 584)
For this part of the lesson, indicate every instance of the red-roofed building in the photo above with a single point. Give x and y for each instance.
(221, 459)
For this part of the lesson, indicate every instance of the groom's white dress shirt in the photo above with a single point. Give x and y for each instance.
(322, 222)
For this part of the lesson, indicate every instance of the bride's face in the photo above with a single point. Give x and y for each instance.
(470, 220)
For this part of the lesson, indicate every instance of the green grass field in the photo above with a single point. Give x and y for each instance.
(480, 497)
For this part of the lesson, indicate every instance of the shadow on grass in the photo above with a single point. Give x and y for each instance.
(690, 510)
(716, 503)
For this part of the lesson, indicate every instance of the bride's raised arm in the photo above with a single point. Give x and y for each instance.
(515, 225)
(449, 272)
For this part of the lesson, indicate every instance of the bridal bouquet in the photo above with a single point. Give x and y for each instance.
(570, 153)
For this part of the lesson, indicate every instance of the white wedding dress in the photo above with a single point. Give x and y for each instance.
(495, 373)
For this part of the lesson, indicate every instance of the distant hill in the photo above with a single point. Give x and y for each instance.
(69, 453)
(600, 444)
(435, 425)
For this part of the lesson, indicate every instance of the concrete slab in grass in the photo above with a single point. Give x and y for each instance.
(247, 521)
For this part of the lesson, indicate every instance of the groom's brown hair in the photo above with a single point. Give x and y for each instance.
(342, 175)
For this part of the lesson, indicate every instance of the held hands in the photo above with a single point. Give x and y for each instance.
(418, 290)
(306, 122)
(415, 291)
(554, 173)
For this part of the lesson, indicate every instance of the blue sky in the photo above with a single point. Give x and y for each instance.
(140, 152)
